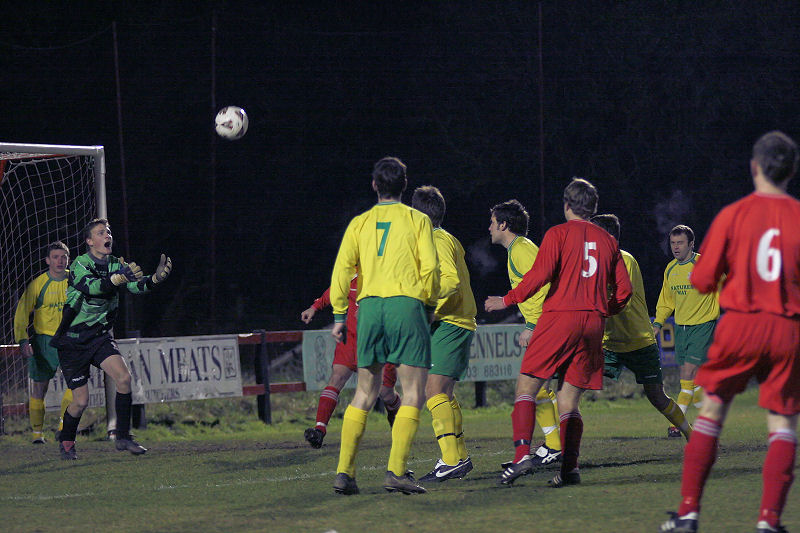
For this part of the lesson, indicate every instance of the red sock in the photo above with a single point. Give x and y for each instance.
(393, 405)
(698, 458)
(327, 403)
(522, 420)
(571, 429)
(778, 475)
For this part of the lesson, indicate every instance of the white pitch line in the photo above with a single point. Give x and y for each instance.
(234, 483)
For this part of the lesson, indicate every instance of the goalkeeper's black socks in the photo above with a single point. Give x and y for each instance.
(70, 428)
(123, 404)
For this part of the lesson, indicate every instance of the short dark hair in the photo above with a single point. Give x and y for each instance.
(682, 229)
(513, 213)
(776, 154)
(57, 245)
(87, 230)
(608, 222)
(390, 176)
(430, 201)
(581, 196)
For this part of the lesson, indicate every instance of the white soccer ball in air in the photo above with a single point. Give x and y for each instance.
(231, 123)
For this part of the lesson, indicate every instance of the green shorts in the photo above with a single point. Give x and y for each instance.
(393, 330)
(692, 342)
(450, 346)
(42, 365)
(645, 363)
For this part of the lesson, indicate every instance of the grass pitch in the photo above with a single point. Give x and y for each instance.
(267, 479)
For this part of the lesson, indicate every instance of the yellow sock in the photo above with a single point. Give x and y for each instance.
(36, 410)
(697, 396)
(353, 424)
(678, 419)
(65, 401)
(547, 417)
(403, 431)
(444, 427)
(459, 428)
(686, 394)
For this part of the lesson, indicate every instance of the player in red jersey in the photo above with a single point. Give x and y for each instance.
(756, 243)
(583, 264)
(344, 365)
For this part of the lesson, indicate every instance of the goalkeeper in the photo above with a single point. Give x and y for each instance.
(84, 336)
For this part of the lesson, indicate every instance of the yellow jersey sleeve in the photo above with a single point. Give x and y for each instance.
(631, 329)
(456, 303)
(666, 302)
(24, 310)
(392, 245)
(521, 256)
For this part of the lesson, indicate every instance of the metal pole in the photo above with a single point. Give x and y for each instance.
(480, 394)
(213, 229)
(541, 132)
(122, 174)
(262, 377)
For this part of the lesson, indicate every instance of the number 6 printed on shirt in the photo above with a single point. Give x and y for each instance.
(592, 268)
(767, 271)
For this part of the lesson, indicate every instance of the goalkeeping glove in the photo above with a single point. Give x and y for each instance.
(163, 269)
(128, 272)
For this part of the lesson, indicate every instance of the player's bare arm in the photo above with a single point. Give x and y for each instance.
(494, 303)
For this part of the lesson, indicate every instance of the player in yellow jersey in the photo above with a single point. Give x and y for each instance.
(398, 287)
(451, 337)
(695, 315)
(509, 227)
(44, 297)
(628, 340)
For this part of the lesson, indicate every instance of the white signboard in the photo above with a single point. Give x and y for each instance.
(494, 355)
(173, 369)
(318, 348)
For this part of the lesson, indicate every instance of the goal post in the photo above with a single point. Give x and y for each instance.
(48, 192)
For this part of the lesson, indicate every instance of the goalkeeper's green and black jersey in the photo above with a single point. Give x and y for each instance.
(92, 300)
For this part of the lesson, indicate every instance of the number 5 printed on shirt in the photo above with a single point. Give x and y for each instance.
(592, 267)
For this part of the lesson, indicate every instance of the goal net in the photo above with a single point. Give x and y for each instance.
(47, 193)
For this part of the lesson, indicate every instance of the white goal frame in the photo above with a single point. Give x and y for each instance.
(15, 151)
(98, 152)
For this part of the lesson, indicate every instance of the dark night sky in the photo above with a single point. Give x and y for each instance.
(657, 105)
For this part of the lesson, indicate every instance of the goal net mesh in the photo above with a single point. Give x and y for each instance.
(43, 198)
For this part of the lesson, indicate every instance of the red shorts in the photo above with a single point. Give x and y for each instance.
(569, 343)
(755, 345)
(345, 355)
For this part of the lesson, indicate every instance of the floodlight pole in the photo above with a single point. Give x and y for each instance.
(541, 132)
(213, 230)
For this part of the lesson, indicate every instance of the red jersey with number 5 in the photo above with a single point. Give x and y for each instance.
(583, 264)
(756, 242)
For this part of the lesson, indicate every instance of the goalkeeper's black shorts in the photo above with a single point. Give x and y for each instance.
(76, 360)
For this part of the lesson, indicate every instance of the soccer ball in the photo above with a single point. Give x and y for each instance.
(231, 123)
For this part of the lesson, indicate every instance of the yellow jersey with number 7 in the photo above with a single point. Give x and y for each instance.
(392, 244)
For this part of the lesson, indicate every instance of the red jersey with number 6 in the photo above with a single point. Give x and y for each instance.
(756, 242)
(583, 264)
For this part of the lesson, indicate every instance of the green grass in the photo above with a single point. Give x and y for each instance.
(244, 476)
